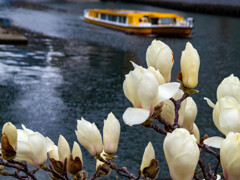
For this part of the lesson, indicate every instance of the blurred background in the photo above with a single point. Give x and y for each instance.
(71, 69)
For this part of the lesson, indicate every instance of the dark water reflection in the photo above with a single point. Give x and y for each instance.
(77, 70)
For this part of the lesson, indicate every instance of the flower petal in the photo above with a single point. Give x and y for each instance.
(210, 103)
(63, 149)
(50, 144)
(167, 90)
(29, 131)
(39, 148)
(229, 120)
(214, 141)
(133, 116)
(134, 64)
(24, 152)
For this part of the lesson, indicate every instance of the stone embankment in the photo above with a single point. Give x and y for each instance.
(222, 7)
(8, 36)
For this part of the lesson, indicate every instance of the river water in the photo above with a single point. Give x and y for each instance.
(71, 69)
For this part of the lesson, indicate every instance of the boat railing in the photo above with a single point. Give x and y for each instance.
(85, 12)
(144, 24)
(190, 21)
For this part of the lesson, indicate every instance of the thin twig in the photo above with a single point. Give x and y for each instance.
(208, 173)
(15, 174)
(50, 169)
(209, 150)
(195, 177)
(157, 128)
(19, 166)
(209, 168)
(204, 169)
(216, 167)
(164, 122)
(94, 176)
(25, 167)
(121, 171)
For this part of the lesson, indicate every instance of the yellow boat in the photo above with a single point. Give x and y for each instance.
(140, 22)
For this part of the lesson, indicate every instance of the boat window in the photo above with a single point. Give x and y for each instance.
(112, 18)
(166, 20)
(103, 16)
(154, 20)
(122, 19)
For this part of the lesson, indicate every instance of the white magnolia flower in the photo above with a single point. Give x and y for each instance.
(230, 156)
(182, 154)
(226, 115)
(89, 136)
(63, 149)
(226, 112)
(143, 91)
(230, 86)
(111, 133)
(32, 147)
(148, 155)
(190, 114)
(11, 132)
(190, 63)
(160, 56)
(75, 162)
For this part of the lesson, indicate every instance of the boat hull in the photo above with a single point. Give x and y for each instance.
(164, 30)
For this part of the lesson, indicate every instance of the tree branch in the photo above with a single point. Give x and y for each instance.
(177, 105)
(19, 166)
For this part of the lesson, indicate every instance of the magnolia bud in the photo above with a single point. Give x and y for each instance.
(9, 141)
(60, 155)
(148, 155)
(190, 114)
(160, 56)
(149, 167)
(190, 63)
(230, 156)
(182, 154)
(89, 136)
(111, 133)
(230, 86)
(63, 149)
(75, 162)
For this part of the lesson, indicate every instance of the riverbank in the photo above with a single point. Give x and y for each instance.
(10, 36)
(221, 7)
